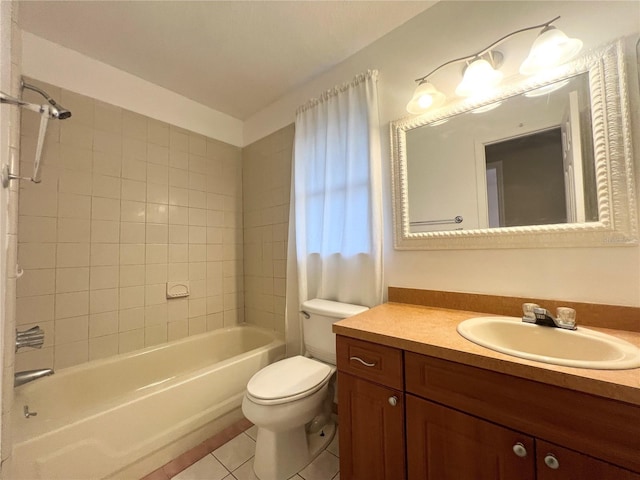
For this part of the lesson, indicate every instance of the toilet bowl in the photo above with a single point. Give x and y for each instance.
(281, 400)
(290, 401)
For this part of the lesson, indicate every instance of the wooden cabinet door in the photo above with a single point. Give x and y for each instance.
(445, 444)
(371, 430)
(558, 463)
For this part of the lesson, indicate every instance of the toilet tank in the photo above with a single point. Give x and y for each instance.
(319, 340)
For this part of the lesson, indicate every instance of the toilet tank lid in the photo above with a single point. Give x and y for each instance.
(330, 308)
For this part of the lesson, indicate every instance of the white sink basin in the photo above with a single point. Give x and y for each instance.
(580, 348)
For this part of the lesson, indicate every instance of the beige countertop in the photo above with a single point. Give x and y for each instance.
(432, 331)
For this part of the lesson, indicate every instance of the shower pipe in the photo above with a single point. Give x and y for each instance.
(46, 111)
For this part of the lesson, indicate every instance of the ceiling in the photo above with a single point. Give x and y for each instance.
(235, 57)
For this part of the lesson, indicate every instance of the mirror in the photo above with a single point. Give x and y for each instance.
(544, 162)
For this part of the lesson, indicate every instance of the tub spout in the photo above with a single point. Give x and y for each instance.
(20, 378)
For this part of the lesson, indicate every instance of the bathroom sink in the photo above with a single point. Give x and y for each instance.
(582, 348)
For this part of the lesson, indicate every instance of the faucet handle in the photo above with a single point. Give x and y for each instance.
(528, 312)
(566, 317)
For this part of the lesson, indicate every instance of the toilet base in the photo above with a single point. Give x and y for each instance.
(280, 455)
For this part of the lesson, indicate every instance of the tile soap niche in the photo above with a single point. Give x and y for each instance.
(177, 289)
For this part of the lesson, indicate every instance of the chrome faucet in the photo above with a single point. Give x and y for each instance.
(20, 378)
(566, 317)
(34, 337)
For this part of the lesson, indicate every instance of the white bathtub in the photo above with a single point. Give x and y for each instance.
(124, 416)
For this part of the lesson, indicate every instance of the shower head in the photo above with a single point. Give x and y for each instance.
(58, 111)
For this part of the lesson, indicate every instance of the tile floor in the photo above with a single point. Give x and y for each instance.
(234, 461)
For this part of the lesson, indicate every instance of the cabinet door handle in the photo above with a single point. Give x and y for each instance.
(393, 401)
(520, 450)
(551, 461)
(366, 364)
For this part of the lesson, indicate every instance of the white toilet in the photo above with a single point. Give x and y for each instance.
(290, 400)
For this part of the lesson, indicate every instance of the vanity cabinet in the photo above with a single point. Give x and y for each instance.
(370, 392)
(469, 423)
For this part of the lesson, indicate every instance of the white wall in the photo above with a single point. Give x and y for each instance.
(446, 31)
(52, 63)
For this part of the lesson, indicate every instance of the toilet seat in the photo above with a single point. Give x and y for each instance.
(288, 380)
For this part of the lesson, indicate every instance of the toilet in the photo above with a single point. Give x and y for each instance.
(290, 400)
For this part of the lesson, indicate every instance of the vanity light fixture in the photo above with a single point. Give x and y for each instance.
(551, 48)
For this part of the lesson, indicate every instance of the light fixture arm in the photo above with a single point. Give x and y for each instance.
(484, 50)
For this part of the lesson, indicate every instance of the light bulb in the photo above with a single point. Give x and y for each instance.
(550, 49)
(479, 78)
(426, 96)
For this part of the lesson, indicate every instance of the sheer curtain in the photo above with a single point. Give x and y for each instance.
(335, 222)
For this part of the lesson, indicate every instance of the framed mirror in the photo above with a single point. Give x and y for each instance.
(545, 162)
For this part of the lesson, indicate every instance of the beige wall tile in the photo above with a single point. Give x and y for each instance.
(103, 277)
(132, 254)
(177, 330)
(133, 211)
(105, 231)
(132, 275)
(132, 232)
(197, 253)
(134, 125)
(178, 234)
(33, 359)
(71, 205)
(103, 347)
(37, 229)
(130, 319)
(42, 203)
(72, 279)
(178, 178)
(178, 139)
(179, 196)
(36, 282)
(155, 315)
(106, 300)
(134, 149)
(76, 135)
(131, 340)
(74, 230)
(133, 190)
(197, 325)
(178, 272)
(81, 106)
(156, 253)
(215, 321)
(157, 193)
(158, 133)
(105, 186)
(107, 164)
(155, 273)
(157, 174)
(37, 255)
(157, 213)
(107, 142)
(179, 159)
(101, 324)
(155, 335)
(155, 294)
(105, 208)
(131, 297)
(197, 307)
(133, 169)
(75, 182)
(178, 215)
(103, 254)
(107, 117)
(157, 155)
(72, 255)
(177, 309)
(73, 304)
(157, 233)
(74, 329)
(197, 181)
(34, 309)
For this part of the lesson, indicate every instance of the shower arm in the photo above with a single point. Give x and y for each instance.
(46, 111)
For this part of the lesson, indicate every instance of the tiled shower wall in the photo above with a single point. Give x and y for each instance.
(266, 170)
(126, 204)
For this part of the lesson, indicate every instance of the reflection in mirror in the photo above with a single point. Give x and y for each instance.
(540, 162)
(526, 160)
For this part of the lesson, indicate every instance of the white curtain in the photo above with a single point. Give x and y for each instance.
(335, 232)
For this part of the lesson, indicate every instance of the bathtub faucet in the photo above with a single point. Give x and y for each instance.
(34, 337)
(20, 378)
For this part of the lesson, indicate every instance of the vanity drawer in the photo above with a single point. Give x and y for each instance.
(378, 363)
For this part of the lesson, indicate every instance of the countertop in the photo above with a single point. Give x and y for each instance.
(432, 331)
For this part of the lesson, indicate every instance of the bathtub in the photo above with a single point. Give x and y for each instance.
(124, 416)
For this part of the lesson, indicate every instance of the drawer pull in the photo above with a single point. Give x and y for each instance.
(393, 401)
(551, 461)
(363, 362)
(519, 450)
